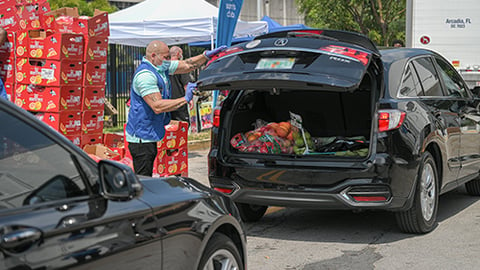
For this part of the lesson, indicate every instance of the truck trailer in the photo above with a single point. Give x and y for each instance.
(449, 27)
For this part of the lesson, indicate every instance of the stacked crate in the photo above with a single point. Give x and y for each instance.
(172, 157)
(172, 151)
(54, 65)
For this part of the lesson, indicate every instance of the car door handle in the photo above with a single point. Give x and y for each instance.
(20, 238)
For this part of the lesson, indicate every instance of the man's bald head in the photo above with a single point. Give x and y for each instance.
(176, 53)
(157, 51)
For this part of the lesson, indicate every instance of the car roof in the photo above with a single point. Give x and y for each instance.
(392, 55)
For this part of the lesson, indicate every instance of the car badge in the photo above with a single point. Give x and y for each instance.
(280, 42)
(253, 44)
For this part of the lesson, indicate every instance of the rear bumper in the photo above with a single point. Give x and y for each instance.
(352, 194)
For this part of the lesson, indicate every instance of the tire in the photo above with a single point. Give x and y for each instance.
(473, 187)
(422, 216)
(221, 253)
(251, 212)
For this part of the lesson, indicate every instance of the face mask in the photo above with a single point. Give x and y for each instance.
(163, 66)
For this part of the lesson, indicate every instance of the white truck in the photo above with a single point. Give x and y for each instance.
(449, 27)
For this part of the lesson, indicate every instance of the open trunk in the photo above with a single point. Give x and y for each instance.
(339, 123)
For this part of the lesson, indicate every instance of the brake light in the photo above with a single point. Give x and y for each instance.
(224, 53)
(363, 57)
(216, 116)
(390, 119)
(223, 190)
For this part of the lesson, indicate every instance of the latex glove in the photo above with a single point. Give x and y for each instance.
(189, 91)
(210, 54)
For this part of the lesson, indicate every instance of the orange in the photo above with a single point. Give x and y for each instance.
(20, 50)
(19, 76)
(282, 131)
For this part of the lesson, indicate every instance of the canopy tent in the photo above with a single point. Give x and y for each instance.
(173, 22)
(273, 26)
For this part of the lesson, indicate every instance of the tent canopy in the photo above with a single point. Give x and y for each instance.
(272, 25)
(173, 22)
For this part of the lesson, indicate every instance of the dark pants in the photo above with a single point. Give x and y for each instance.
(143, 155)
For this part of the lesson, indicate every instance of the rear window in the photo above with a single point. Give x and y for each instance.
(410, 84)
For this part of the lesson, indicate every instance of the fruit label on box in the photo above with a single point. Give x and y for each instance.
(9, 19)
(48, 72)
(48, 99)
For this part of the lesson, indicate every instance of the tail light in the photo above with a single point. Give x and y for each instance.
(216, 116)
(224, 190)
(224, 53)
(390, 119)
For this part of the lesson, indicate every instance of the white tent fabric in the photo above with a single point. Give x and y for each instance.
(173, 22)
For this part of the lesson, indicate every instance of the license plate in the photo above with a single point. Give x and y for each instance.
(275, 63)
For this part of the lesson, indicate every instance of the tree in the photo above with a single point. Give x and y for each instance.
(380, 20)
(86, 8)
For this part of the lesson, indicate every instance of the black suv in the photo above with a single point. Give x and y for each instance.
(379, 129)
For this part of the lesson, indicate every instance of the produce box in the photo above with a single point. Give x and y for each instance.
(96, 49)
(94, 138)
(95, 73)
(93, 98)
(7, 70)
(48, 72)
(53, 46)
(67, 123)
(48, 99)
(101, 151)
(67, 20)
(176, 135)
(92, 122)
(113, 140)
(7, 49)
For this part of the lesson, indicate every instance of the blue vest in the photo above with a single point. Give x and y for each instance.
(143, 122)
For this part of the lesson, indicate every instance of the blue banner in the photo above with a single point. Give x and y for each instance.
(228, 13)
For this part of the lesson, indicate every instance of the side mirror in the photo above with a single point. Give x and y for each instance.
(118, 181)
(476, 91)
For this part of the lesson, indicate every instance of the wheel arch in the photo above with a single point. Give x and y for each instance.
(434, 150)
(230, 227)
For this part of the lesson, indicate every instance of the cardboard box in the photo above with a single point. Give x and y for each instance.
(100, 151)
(67, 123)
(96, 49)
(7, 49)
(67, 20)
(10, 91)
(176, 135)
(7, 70)
(54, 46)
(93, 98)
(22, 15)
(48, 99)
(171, 162)
(95, 138)
(75, 139)
(48, 72)
(92, 122)
(113, 140)
(95, 73)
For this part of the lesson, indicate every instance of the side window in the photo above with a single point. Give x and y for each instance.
(410, 86)
(428, 77)
(453, 82)
(33, 168)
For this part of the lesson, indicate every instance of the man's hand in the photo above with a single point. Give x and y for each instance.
(189, 91)
(210, 54)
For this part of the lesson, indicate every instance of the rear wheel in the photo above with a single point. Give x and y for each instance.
(473, 187)
(251, 212)
(422, 216)
(221, 254)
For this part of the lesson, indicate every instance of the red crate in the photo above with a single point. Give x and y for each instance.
(48, 99)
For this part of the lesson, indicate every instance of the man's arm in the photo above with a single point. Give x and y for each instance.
(192, 63)
(160, 105)
(3, 35)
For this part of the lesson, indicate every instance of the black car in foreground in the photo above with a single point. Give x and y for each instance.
(60, 209)
(372, 130)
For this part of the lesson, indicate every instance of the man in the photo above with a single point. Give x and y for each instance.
(3, 37)
(150, 101)
(397, 43)
(179, 84)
